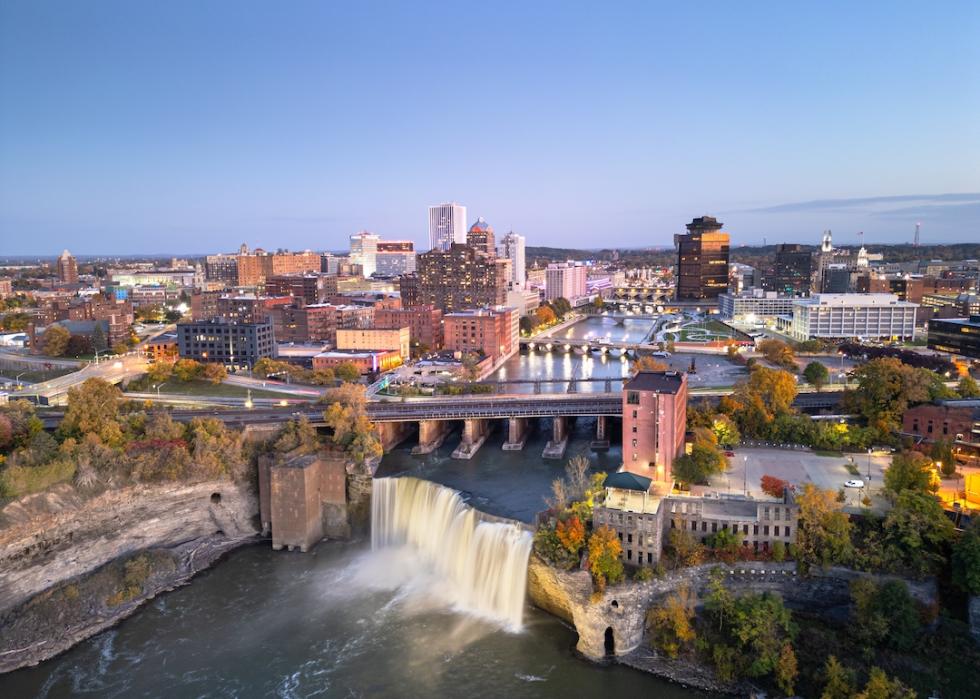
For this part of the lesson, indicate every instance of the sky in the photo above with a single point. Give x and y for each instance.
(190, 127)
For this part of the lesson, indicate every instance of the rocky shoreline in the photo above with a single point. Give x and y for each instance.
(75, 564)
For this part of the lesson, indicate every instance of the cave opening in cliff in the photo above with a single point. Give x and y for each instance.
(215, 498)
(610, 641)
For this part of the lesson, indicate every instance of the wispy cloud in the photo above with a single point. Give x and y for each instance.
(878, 206)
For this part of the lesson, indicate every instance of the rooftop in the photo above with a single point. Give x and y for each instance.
(659, 381)
(624, 480)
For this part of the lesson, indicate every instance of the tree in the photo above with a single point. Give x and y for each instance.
(773, 486)
(544, 315)
(786, 669)
(917, 531)
(346, 415)
(297, 437)
(838, 680)
(571, 534)
(215, 373)
(604, 557)
(158, 372)
(880, 687)
(93, 408)
(525, 325)
(704, 461)
(348, 372)
(766, 394)
(883, 614)
(647, 363)
(78, 345)
(777, 352)
(686, 550)
(968, 387)
(942, 454)
(55, 339)
(816, 374)
(187, 369)
(725, 430)
(966, 560)
(909, 470)
(886, 387)
(99, 341)
(824, 536)
(670, 626)
(471, 366)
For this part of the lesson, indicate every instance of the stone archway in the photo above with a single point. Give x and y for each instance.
(610, 641)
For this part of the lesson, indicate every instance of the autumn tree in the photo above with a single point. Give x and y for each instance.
(187, 369)
(604, 557)
(725, 430)
(816, 374)
(771, 485)
(571, 534)
(93, 408)
(786, 669)
(704, 461)
(297, 437)
(670, 626)
(55, 340)
(756, 402)
(777, 352)
(824, 536)
(347, 372)
(346, 415)
(968, 387)
(158, 372)
(214, 372)
(886, 388)
(838, 680)
(647, 363)
(879, 686)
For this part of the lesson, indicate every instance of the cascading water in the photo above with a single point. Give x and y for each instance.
(485, 562)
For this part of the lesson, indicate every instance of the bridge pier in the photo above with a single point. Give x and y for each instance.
(432, 433)
(555, 448)
(392, 434)
(517, 429)
(601, 441)
(475, 433)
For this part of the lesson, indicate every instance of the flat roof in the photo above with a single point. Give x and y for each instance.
(625, 480)
(659, 381)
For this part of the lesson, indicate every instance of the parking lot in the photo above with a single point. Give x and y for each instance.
(800, 467)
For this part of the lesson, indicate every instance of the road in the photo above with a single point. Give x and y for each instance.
(113, 369)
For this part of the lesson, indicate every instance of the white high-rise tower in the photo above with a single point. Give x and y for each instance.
(364, 251)
(512, 247)
(447, 225)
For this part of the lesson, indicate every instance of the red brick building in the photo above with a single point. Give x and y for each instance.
(424, 324)
(491, 332)
(654, 423)
(247, 308)
(312, 288)
(944, 420)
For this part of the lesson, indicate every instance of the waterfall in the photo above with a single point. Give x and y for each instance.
(485, 562)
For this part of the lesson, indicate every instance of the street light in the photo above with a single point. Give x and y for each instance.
(869, 464)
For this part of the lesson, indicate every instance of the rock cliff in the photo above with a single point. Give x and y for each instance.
(52, 542)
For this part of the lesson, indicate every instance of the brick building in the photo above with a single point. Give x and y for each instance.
(424, 324)
(312, 288)
(456, 279)
(491, 332)
(654, 423)
(254, 268)
(249, 308)
(396, 339)
(366, 361)
(955, 420)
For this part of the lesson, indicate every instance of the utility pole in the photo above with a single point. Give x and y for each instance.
(915, 240)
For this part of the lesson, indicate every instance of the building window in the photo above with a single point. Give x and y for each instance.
(765, 530)
(714, 527)
(786, 531)
(633, 398)
(745, 529)
(634, 414)
(755, 529)
(634, 429)
(629, 538)
(634, 444)
(704, 526)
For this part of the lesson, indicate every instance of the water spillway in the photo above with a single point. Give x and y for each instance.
(484, 562)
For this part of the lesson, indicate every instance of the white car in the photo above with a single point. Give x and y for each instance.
(854, 484)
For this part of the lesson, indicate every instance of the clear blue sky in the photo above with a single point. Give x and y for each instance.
(193, 126)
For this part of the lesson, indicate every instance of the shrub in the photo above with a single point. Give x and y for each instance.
(779, 552)
(644, 574)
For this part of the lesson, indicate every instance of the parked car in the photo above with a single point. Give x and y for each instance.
(856, 483)
(729, 452)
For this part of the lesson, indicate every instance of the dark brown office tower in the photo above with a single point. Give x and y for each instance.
(480, 236)
(702, 260)
(312, 288)
(456, 279)
(67, 268)
(792, 271)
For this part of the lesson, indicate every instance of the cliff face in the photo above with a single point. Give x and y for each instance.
(59, 537)
(612, 626)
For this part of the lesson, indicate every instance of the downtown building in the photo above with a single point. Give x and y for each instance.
(792, 272)
(488, 332)
(456, 279)
(847, 316)
(67, 267)
(394, 258)
(237, 346)
(702, 260)
(424, 324)
(480, 236)
(754, 305)
(654, 423)
(566, 280)
(512, 247)
(255, 267)
(312, 288)
(956, 335)
(447, 225)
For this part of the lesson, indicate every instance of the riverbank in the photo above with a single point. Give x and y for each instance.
(73, 564)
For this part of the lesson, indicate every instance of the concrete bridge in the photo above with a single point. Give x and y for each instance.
(598, 346)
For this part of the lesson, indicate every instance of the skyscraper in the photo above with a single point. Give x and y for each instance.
(565, 280)
(792, 271)
(67, 268)
(512, 247)
(702, 260)
(480, 236)
(364, 251)
(456, 279)
(447, 225)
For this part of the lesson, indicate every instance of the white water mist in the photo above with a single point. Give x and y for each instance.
(486, 562)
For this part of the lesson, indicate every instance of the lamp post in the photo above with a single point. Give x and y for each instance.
(869, 464)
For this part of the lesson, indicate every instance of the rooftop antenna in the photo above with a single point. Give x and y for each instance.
(915, 240)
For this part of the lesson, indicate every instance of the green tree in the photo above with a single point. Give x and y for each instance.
(704, 461)
(670, 626)
(968, 387)
(55, 340)
(99, 341)
(824, 536)
(348, 372)
(187, 369)
(786, 669)
(942, 454)
(816, 374)
(879, 686)
(726, 431)
(909, 470)
(917, 531)
(966, 560)
(886, 388)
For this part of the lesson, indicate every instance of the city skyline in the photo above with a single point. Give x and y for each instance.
(205, 128)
